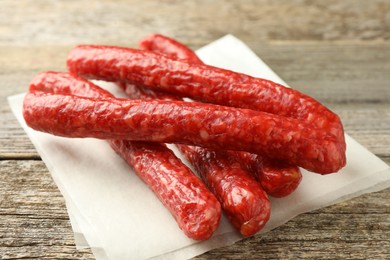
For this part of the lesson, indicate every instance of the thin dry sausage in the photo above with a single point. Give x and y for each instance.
(195, 209)
(168, 46)
(206, 125)
(243, 200)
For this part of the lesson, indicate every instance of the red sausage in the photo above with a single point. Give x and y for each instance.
(212, 126)
(216, 85)
(168, 46)
(243, 200)
(195, 209)
(277, 178)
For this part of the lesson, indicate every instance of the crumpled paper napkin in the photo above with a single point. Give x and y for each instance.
(113, 212)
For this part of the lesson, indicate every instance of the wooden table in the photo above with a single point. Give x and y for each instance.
(335, 51)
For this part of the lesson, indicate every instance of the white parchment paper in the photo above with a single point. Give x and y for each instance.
(113, 212)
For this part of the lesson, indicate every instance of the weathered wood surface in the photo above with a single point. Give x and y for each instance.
(336, 51)
(194, 22)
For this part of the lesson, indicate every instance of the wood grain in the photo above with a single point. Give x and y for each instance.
(34, 224)
(335, 51)
(193, 22)
(33, 218)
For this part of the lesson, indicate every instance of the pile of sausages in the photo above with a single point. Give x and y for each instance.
(246, 137)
